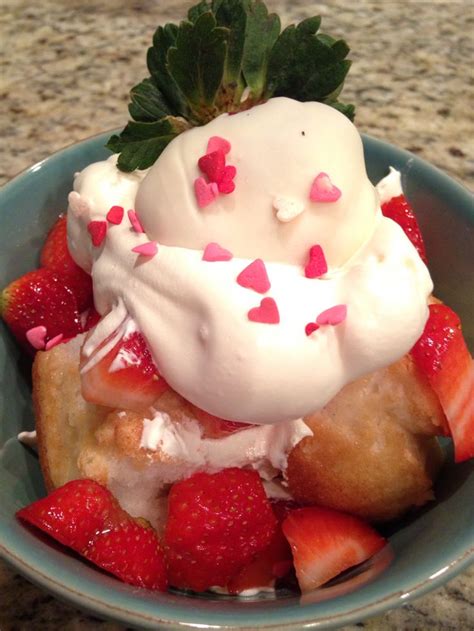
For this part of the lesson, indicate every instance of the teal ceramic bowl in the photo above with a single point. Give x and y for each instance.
(429, 548)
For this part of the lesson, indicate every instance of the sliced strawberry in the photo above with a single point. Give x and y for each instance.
(273, 562)
(55, 256)
(85, 516)
(74, 513)
(217, 523)
(215, 427)
(40, 298)
(132, 552)
(442, 356)
(126, 377)
(401, 212)
(325, 542)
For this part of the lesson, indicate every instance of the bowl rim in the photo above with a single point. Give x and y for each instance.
(82, 600)
(100, 606)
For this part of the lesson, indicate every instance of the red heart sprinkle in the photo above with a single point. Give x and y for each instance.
(97, 230)
(226, 184)
(311, 327)
(255, 277)
(115, 215)
(214, 252)
(213, 165)
(266, 313)
(316, 265)
(216, 143)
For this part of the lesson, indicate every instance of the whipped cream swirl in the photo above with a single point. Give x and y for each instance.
(193, 313)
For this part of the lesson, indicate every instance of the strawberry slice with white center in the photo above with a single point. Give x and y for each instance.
(126, 377)
(442, 356)
(325, 542)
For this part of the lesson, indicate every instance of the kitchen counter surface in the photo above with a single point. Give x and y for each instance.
(67, 66)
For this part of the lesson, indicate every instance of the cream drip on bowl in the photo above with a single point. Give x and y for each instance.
(195, 315)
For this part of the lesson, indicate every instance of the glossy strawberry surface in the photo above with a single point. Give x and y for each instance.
(217, 523)
(441, 354)
(85, 516)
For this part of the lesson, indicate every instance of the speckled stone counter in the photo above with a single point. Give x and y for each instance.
(66, 68)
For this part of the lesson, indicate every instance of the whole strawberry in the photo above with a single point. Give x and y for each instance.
(85, 516)
(401, 212)
(40, 299)
(55, 256)
(217, 523)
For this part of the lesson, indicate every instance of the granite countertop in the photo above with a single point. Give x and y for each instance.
(66, 70)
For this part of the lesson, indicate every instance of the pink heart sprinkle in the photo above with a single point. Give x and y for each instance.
(226, 184)
(54, 341)
(97, 230)
(205, 192)
(216, 143)
(323, 190)
(255, 277)
(316, 265)
(214, 252)
(115, 215)
(311, 327)
(135, 221)
(36, 337)
(333, 315)
(266, 313)
(146, 249)
(213, 165)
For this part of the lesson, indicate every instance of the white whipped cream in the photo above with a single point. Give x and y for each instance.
(278, 149)
(29, 439)
(264, 447)
(390, 186)
(193, 314)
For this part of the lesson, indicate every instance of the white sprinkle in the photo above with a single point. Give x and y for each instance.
(287, 209)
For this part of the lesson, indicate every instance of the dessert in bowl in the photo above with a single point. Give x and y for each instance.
(429, 546)
(308, 336)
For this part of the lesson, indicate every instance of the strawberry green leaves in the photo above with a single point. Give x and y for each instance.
(261, 34)
(147, 103)
(196, 63)
(157, 62)
(306, 66)
(140, 143)
(227, 56)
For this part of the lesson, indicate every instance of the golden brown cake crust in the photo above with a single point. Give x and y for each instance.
(65, 423)
(373, 451)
